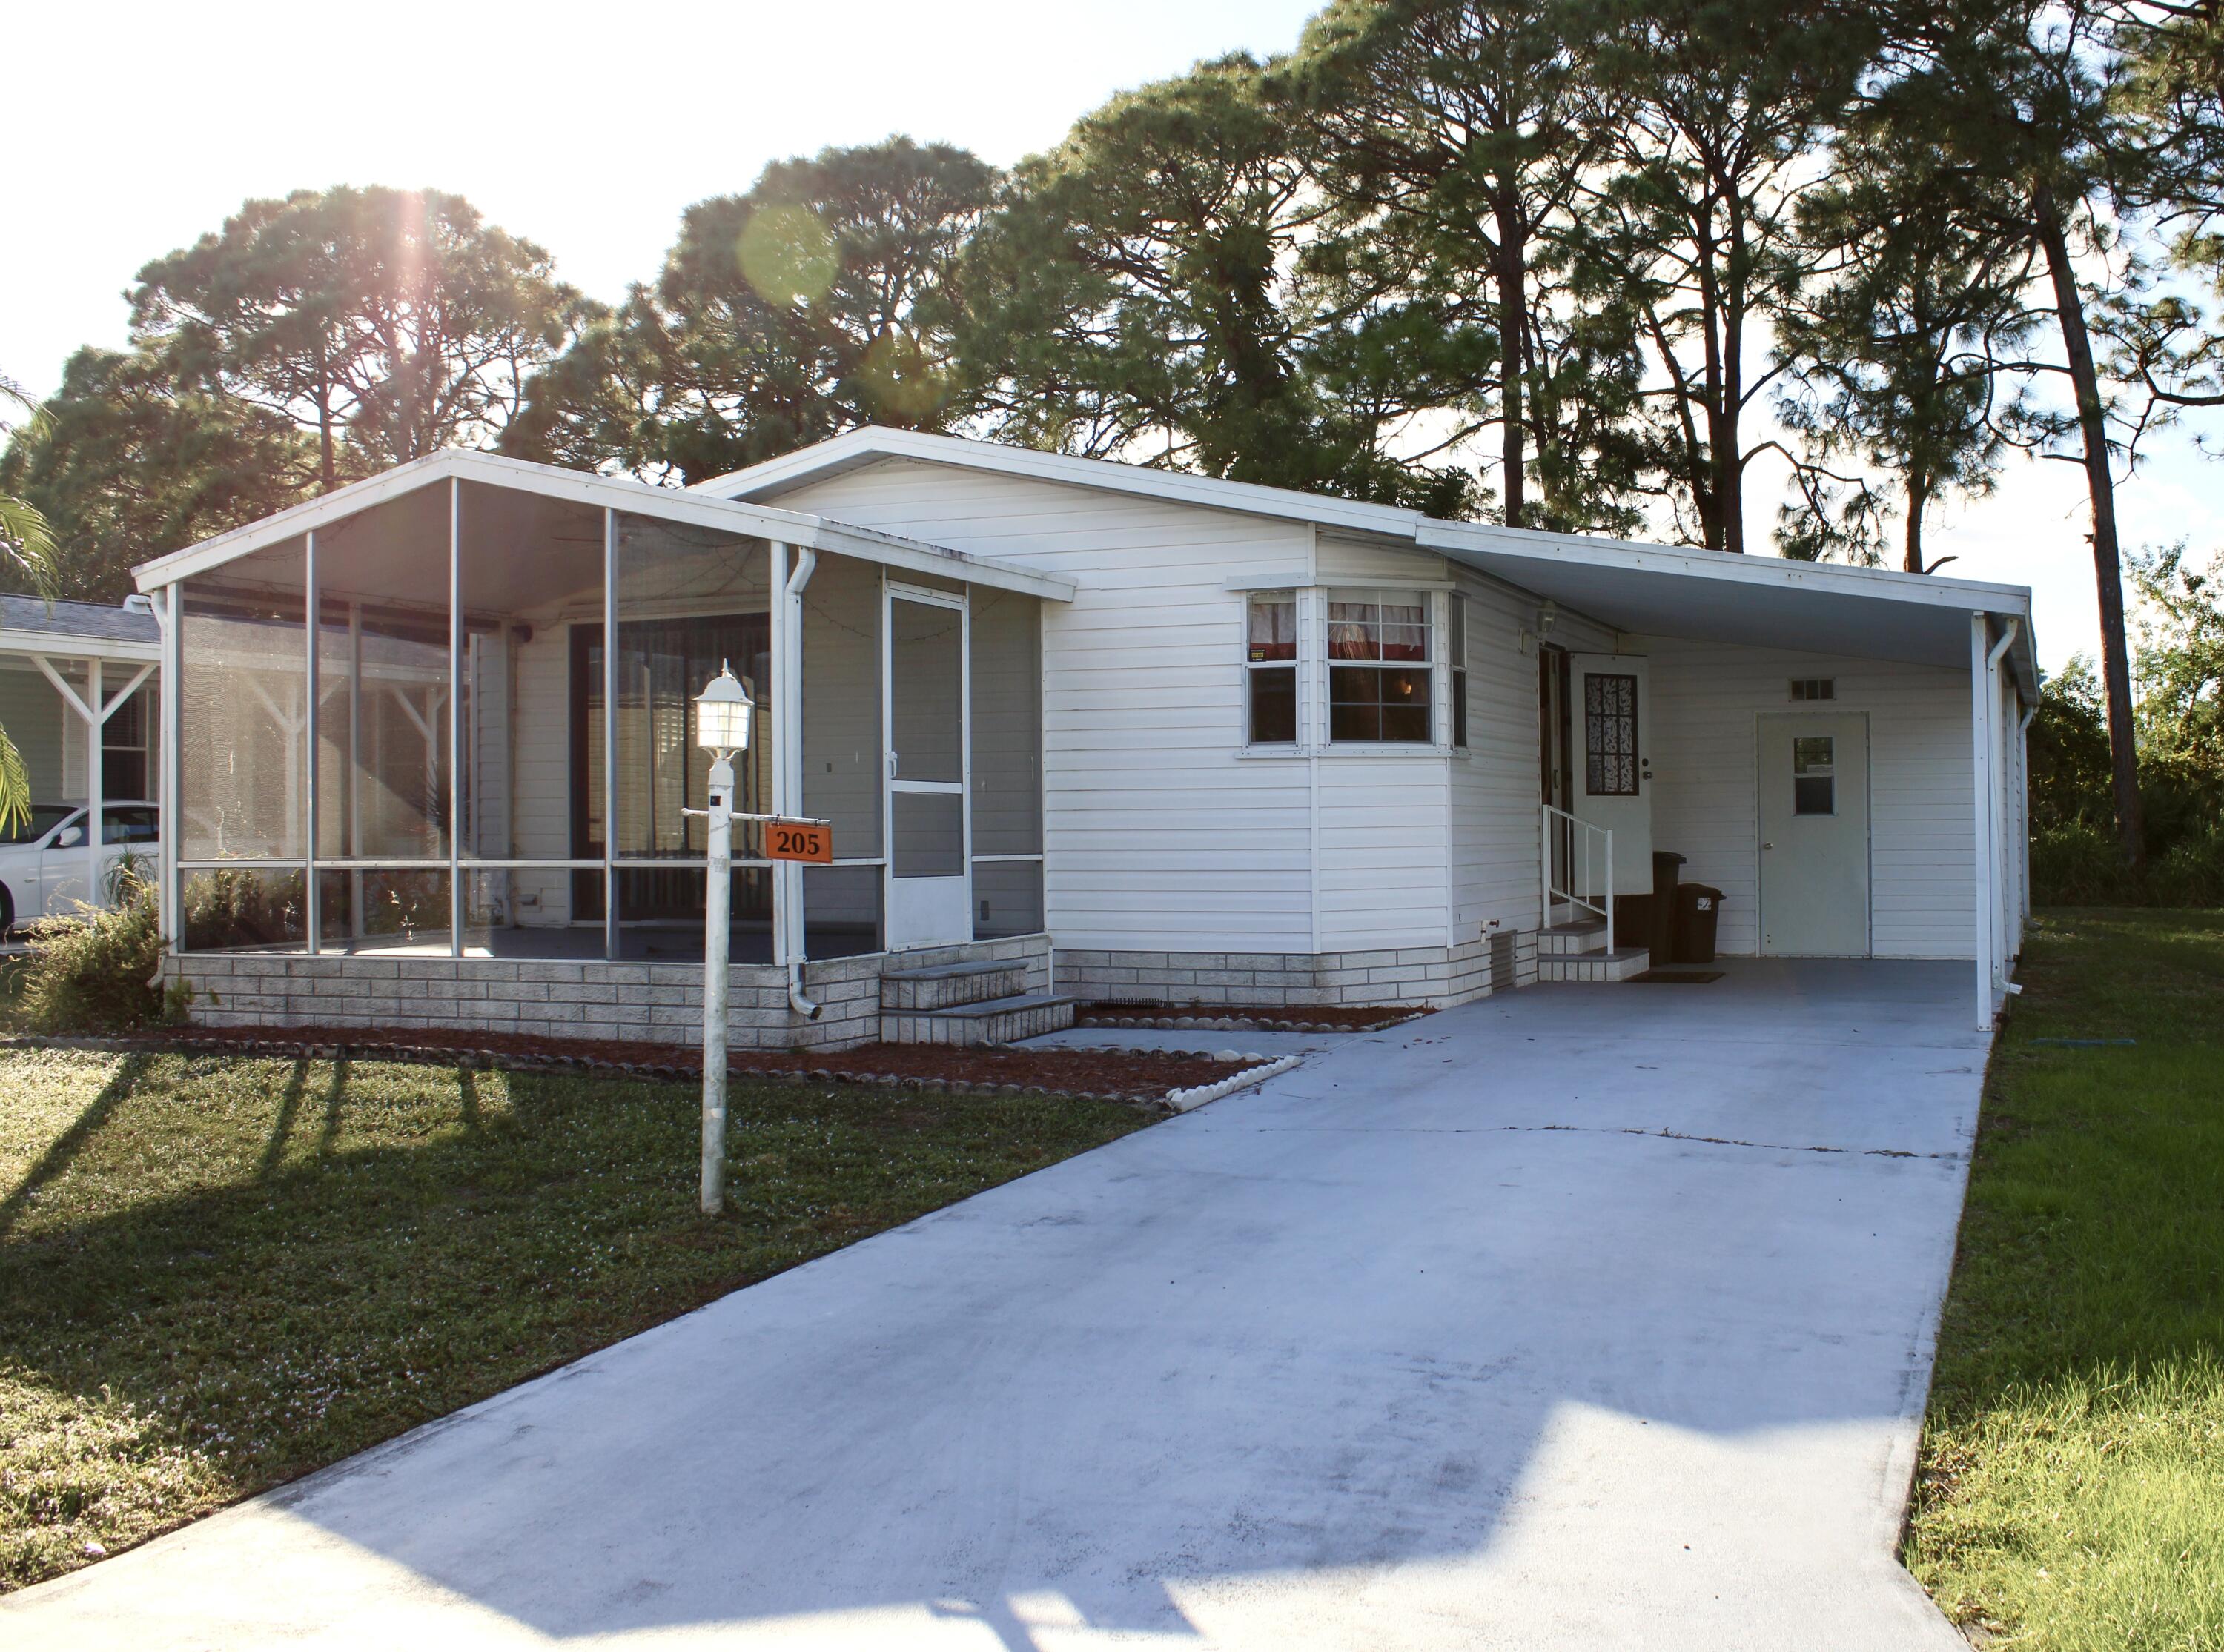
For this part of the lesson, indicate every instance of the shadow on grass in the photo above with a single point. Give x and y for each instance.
(72, 1142)
(445, 1237)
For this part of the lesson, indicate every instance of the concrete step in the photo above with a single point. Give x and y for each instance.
(1571, 939)
(942, 986)
(994, 1021)
(1618, 965)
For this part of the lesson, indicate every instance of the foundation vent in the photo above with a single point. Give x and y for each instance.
(1814, 688)
(1501, 962)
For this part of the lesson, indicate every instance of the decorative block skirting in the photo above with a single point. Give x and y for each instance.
(1436, 976)
(568, 999)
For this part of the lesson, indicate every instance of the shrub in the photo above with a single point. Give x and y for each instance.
(2078, 865)
(97, 972)
(243, 907)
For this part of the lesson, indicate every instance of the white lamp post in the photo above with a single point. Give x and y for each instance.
(722, 728)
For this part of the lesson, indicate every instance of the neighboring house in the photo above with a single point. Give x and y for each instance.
(1160, 736)
(67, 670)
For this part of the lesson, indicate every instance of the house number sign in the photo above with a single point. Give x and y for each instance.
(798, 840)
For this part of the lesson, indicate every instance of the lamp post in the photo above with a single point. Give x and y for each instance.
(722, 728)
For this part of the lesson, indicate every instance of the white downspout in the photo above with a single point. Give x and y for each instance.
(788, 766)
(2023, 805)
(1996, 756)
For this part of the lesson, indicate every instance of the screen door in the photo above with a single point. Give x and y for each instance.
(929, 828)
(1612, 778)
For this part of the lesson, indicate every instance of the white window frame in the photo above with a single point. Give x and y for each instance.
(1313, 665)
(1432, 607)
(1297, 741)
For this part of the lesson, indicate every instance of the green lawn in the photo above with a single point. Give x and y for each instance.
(217, 1274)
(2071, 1491)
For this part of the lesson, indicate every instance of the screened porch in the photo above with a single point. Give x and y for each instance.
(398, 726)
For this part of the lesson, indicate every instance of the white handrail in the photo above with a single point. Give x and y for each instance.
(1561, 833)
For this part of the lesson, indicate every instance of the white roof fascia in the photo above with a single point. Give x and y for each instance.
(1471, 542)
(63, 645)
(763, 522)
(873, 443)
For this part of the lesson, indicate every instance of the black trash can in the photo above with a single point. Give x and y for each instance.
(1660, 927)
(1698, 907)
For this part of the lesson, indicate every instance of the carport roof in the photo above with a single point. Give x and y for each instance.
(1710, 595)
(624, 494)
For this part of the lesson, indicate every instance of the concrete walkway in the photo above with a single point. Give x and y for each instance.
(1588, 1316)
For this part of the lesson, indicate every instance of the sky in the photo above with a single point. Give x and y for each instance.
(588, 129)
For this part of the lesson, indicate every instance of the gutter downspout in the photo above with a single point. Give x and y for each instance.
(2023, 811)
(789, 702)
(2009, 629)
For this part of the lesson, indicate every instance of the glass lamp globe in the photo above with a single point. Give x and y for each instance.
(722, 711)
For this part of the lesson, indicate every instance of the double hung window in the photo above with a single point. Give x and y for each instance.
(1380, 689)
(1270, 669)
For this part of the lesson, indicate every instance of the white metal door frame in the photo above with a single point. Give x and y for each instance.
(1628, 816)
(1761, 841)
(925, 911)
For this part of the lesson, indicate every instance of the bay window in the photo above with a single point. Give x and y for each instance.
(1380, 689)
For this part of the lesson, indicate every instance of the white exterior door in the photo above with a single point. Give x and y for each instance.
(1813, 779)
(1611, 725)
(929, 824)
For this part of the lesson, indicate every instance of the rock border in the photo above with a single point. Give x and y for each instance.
(1239, 1023)
(1197, 1096)
(1166, 1102)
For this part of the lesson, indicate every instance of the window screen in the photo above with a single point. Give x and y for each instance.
(1610, 735)
(1814, 775)
(1270, 669)
(1380, 687)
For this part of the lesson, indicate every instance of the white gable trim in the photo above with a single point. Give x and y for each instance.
(763, 521)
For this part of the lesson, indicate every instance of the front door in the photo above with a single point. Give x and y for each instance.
(1813, 776)
(930, 886)
(1613, 784)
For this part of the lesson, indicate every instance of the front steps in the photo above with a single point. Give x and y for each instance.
(1577, 951)
(967, 1004)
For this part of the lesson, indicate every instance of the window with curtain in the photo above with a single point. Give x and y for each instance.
(1270, 669)
(1381, 688)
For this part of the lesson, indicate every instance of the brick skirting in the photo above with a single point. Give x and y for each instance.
(1439, 977)
(655, 1003)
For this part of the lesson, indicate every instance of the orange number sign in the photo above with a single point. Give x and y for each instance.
(798, 840)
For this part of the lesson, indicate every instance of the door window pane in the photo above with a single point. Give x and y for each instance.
(926, 688)
(1814, 778)
(927, 835)
(1610, 735)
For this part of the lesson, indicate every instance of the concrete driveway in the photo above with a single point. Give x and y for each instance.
(1588, 1316)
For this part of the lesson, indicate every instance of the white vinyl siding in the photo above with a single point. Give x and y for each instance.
(1159, 835)
(1705, 697)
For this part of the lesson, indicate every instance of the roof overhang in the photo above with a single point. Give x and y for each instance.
(1709, 595)
(1746, 601)
(635, 498)
(64, 645)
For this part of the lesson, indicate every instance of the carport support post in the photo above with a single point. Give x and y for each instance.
(1981, 699)
(95, 743)
(171, 816)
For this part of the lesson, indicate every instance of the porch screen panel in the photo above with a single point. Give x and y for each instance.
(689, 601)
(842, 771)
(384, 766)
(244, 710)
(1007, 708)
(527, 566)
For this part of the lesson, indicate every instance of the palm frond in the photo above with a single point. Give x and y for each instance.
(27, 544)
(15, 787)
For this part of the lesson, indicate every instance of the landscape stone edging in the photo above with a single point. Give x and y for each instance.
(1239, 1023)
(1175, 1101)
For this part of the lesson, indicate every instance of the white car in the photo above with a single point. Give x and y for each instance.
(44, 865)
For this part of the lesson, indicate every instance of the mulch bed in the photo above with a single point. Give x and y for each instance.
(1305, 1017)
(1138, 1076)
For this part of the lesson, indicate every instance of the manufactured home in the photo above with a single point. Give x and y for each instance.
(1084, 730)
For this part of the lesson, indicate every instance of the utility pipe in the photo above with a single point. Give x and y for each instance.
(789, 758)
